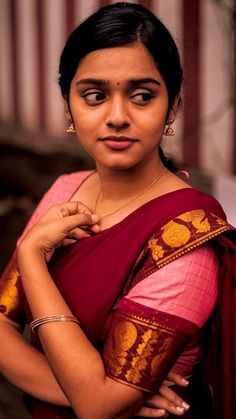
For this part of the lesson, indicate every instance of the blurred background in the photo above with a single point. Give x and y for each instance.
(34, 146)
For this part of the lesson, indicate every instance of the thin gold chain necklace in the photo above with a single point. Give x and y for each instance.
(131, 200)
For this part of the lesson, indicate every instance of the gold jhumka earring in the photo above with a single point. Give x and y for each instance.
(71, 128)
(169, 130)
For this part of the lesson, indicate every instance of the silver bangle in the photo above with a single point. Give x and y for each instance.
(35, 324)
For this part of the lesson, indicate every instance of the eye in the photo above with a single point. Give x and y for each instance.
(94, 98)
(141, 98)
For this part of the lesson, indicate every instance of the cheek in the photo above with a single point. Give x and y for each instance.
(87, 128)
(156, 123)
(156, 118)
(87, 119)
(83, 123)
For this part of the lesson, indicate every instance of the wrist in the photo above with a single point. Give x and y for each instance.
(27, 251)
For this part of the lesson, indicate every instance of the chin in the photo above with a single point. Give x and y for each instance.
(120, 162)
(121, 165)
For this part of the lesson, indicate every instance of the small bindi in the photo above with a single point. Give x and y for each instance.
(118, 83)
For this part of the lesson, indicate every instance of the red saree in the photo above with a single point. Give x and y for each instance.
(97, 272)
(140, 345)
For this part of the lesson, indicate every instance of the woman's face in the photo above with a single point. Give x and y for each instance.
(118, 102)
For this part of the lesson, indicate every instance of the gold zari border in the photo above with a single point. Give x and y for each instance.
(193, 245)
(140, 349)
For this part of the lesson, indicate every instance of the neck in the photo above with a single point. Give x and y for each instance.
(123, 184)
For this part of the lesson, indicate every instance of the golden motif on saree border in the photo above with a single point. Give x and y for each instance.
(9, 294)
(198, 219)
(157, 361)
(140, 362)
(140, 355)
(219, 220)
(184, 233)
(156, 250)
(175, 235)
(125, 335)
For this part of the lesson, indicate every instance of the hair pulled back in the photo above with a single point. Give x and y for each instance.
(117, 25)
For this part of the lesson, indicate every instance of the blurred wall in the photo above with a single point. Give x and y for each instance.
(33, 32)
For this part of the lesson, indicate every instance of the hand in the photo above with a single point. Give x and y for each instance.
(166, 401)
(61, 225)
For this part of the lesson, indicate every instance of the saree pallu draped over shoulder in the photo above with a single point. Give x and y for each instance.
(95, 274)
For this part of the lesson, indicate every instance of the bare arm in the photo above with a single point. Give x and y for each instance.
(26, 367)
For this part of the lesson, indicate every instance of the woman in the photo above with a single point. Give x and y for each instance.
(133, 296)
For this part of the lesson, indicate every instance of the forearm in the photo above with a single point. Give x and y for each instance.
(76, 363)
(27, 368)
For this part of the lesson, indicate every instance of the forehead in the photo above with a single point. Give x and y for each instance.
(118, 63)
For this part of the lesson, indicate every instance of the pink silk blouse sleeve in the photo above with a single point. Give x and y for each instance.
(186, 287)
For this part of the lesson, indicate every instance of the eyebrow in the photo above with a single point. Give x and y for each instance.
(104, 83)
(144, 81)
(96, 82)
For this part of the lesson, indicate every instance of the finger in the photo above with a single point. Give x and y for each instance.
(95, 228)
(71, 208)
(172, 397)
(73, 221)
(170, 406)
(66, 209)
(82, 207)
(177, 378)
(67, 242)
(149, 412)
(77, 234)
(74, 236)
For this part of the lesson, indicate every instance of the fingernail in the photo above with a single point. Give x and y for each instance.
(185, 381)
(161, 411)
(180, 409)
(94, 218)
(185, 405)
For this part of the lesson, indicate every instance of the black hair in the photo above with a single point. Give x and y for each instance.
(117, 25)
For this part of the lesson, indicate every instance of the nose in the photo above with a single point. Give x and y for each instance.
(117, 114)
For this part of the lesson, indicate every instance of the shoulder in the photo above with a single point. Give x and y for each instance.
(187, 219)
(176, 189)
(67, 183)
(175, 202)
(60, 191)
(191, 198)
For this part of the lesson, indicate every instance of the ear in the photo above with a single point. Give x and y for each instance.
(67, 110)
(173, 110)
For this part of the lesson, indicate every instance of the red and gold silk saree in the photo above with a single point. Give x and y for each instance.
(140, 345)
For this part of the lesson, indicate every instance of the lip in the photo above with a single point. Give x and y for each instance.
(118, 142)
